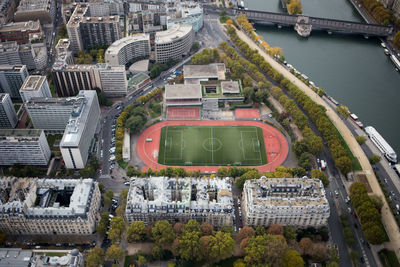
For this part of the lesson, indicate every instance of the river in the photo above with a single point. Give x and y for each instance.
(353, 70)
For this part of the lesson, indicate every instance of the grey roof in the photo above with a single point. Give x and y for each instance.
(182, 91)
(200, 71)
(230, 87)
(15, 257)
(53, 101)
(20, 132)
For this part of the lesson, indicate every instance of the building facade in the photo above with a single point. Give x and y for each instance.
(128, 49)
(42, 10)
(21, 32)
(296, 202)
(113, 79)
(33, 56)
(48, 206)
(23, 146)
(8, 116)
(11, 79)
(180, 200)
(80, 130)
(9, 54)
(173, 43)
(35, 86)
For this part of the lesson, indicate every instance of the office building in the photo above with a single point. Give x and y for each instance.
(85, 32)
(33, 56)
(174, 43)
(80, 130)
(52, 114)
(180, 199)
(42, 10)
(11, 79)
(63, 51)
(186, 13)
(113, 79)
(8, 116)
(9, 53)
(48, 206)
(35, 86)
(21, 32)
(23, 146)
(128, 49)
(296, 202)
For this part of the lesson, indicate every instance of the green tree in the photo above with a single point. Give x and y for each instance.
(157, 252)
(102, 226)
(141, 261)
(344, 164)
(117, 228)
(343, 111)
(136, 232)
(276, 247)
(396, 39)
(315, 173)
(374, 159)
(295, 7)
(292, 258)
(305, 161)
(95, 257)
(190, 245)
(114, 253)
(251, 174)
(192, 226)
(222, 172)
(135, 123)
(162, 233)
(221, 246)
(361, 139)
(290, 233)
(354, 256)
(261, 96)
(300, 147)
(255, 250)
(248, 94)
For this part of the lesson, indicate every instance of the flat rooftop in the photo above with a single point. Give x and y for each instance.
(176, 32)
(183, 91)
(63, 44)
(33, 5)
(115, 47)
(200, 71)
(8, 46)
(11, 68)
(32, 83)
(53, 101)
(230, 87)
(4, 133)
(15, 257)
(21, 26)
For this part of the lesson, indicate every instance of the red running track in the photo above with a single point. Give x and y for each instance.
(276, 145)
(183, 113)
(247, 113)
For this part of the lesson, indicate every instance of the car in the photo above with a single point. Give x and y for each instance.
(110, 216)
(362, 259)
(336, 193)
(127, 183)
(349, 210)
(362, 240)
(347, 199)
(392, 193)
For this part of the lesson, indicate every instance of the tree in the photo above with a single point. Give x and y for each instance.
(192, 226)
(315, 173)
(396, 39)
(135, 123)
(344, 164)
(117, 228)
(141, 261)
(374, 159)
(354, 256)
(343, 111)
(178, 228)
(114, 253)
(305, 245)
(305, 161)
(255, 250)
(294, 7)
(277, 246)
(190, 246)
(275, 229)
(157, 252)
(251, 174)
(248, 94)
(319, 252)
(136, 232)
(102, 226)
(95, 257)
(222, 172)
(246, 231)
(292, 258)
(239, 263)
(206, 228)
(261, 96)
(220, 246)
(361, 140)
(290, 233)
(300, 147)
(162, 233)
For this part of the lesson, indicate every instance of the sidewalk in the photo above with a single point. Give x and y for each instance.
(387, 217)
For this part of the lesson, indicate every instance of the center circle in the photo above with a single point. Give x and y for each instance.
(212, 144)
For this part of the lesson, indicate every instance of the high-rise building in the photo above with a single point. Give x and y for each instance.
(80, 130)
(296, 202)
(43, 10)
(63, 48)
(48, 206)
(8, 116)
(128, 49)
(34, 56)
(23, 146)
(35, 86)
(180, 199)
(11, 79)
(52, 114)
(9, 53)
(85, 32)
(113, 79)
(173, 43)
(22, 32)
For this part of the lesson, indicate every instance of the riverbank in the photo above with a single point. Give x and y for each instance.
(387, 218)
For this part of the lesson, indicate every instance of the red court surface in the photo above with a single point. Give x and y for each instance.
(181, 113)
(275, 144)
(247, 113)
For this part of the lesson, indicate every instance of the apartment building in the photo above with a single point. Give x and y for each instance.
(48, 206)
(113, 79)
(34, 56)
(180, 199)
(80, 130)
(9, 53)
(21, 32)
(85, 32)
(128, 49)
(173, 43)
(63, 47)
(52, 114)
(8, 116)
(35, 86)
(23, 146)
(296, 202)
(42, 10)
(11, 79)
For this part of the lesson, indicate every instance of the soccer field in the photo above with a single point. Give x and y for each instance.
(212, 146)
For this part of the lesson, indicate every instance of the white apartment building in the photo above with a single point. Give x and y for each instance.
(48, 206)
(9, 54)
(296, 202)
(80, 131)
(11, 79)
(180, 199)
(173, 43)
(23, 146)
(128, 49)
(8, 115)
(52, 114)
(113, 79)
(35, 86)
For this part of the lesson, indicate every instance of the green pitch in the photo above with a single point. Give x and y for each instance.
(212, 146)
